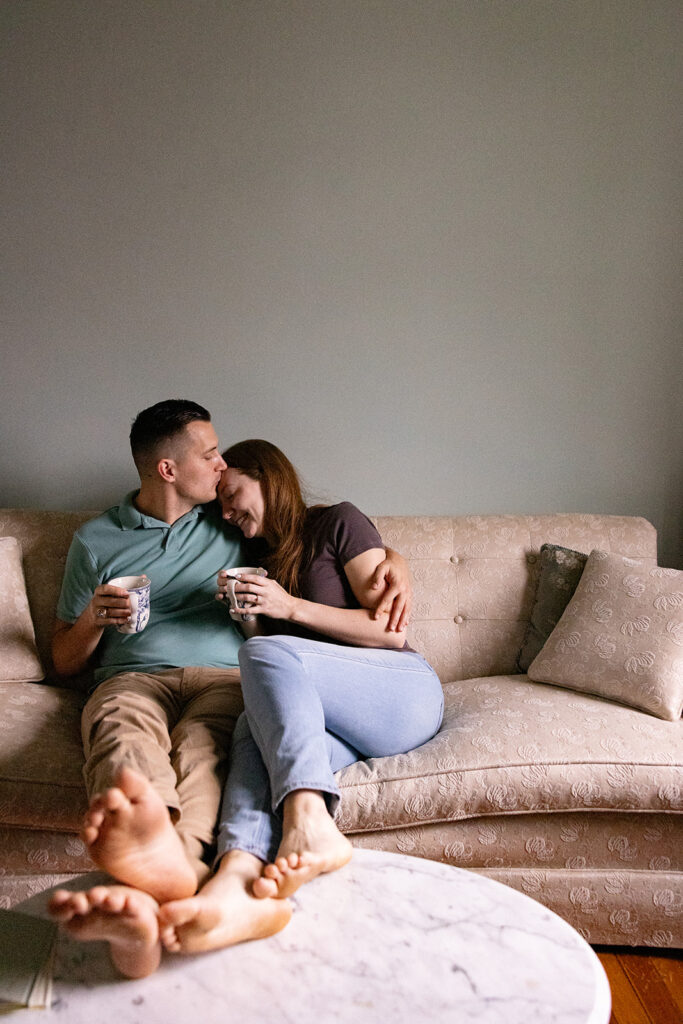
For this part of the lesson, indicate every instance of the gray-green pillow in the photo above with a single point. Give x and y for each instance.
(561, 570)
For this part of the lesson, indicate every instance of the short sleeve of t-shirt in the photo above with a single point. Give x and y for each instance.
(80, 580)
(335, 535)
(351, 531)
(187, 626)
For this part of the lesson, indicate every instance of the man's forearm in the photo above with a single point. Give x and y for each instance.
(74, 645)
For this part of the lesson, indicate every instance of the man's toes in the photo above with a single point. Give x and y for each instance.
(131, 903)
(95, 815)
(79, 903)
(114, 902)
(60, 905)
(139, 904)
(114, 800)
(89, 834)
(133, 786)
(59, 898)
(97, 897)
(95, 802)
(92, 823)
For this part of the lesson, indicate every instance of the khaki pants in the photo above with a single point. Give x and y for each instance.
(174, 728)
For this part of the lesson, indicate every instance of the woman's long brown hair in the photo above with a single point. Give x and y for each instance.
(285, 511)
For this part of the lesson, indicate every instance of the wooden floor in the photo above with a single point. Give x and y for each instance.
(647, 985)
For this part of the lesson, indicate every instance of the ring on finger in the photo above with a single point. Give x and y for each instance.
(101, 613)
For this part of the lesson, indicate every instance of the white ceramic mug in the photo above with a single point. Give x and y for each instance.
(138, 588)
(234, 575)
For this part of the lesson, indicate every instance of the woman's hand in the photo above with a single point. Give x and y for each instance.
(262, 596)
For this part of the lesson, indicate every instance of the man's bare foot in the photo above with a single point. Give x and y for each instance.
(311, 845)
(123, 917)
(224, 912)
(129, 833)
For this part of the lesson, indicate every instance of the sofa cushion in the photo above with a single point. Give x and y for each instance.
(560, 573)
(510, 746)
(28, 851)
(18, 655)
(45, 538)
(621, 636)
(614, 841)
(41, 785)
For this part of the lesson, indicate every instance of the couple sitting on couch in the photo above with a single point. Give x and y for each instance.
(331, 681)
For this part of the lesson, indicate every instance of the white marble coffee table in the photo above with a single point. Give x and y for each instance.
(388, 938)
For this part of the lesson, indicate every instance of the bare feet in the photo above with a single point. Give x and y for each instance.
(311, 845)
(224, 912)
(123, 917)
(129, 834)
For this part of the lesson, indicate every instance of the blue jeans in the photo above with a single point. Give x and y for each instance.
(312, 708)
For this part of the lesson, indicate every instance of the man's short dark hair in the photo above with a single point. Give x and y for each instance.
(161, 423)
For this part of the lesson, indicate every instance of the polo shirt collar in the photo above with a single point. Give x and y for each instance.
(132, 519)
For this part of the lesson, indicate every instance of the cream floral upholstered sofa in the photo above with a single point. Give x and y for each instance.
(571, 797)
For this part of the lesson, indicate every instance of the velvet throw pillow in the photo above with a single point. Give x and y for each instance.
(560, 573)
(19, 661)
(621, 636)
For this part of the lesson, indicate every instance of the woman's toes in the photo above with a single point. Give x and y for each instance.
(265, 888)
(169, 939)
(284, 864)
(176, 913)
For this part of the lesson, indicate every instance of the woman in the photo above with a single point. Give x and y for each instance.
(328, 684)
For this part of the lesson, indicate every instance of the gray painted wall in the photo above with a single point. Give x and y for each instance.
(430, 248)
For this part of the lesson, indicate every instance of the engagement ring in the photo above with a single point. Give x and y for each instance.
(101, 613)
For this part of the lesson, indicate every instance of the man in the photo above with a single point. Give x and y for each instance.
(152, 710)
(157, 727)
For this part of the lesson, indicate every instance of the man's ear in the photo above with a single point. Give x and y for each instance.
(167, 470)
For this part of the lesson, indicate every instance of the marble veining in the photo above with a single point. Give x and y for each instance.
(388, 938)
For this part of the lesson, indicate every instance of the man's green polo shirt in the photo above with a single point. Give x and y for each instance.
(187, 626)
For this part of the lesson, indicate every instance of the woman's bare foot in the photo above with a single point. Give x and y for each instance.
(224, 912)
(129, 833)
(311, 845)
(123, 917)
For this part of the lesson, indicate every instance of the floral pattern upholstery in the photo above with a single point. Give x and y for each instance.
(621, 636)
(573, 799)
(18, 655)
